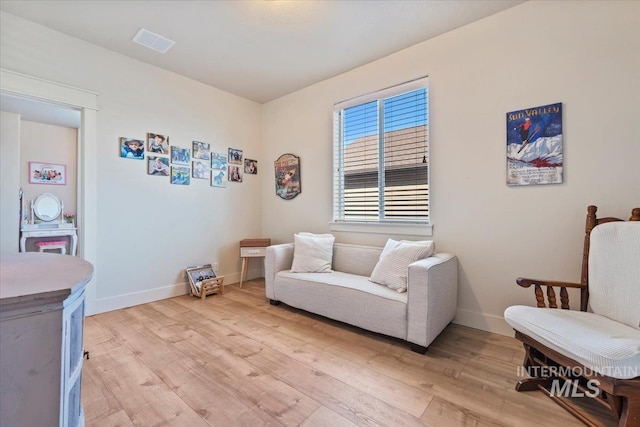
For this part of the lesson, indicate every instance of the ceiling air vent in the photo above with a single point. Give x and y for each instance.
(153, 41)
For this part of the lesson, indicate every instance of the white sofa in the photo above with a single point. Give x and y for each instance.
(347, 295)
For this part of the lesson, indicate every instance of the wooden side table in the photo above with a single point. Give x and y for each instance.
(251, 248)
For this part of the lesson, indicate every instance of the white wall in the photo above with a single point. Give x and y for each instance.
(148, 229)
(40, 142)
(10, 181)
(45, 143)
(583, 54)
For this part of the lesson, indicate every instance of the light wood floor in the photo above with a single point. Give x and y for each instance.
(236, 360)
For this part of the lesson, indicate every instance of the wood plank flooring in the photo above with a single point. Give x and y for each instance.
(235, 360)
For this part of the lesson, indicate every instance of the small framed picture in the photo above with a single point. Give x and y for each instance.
(200, 169)
(235, 174)
(235, 156)
(180, 155)
(201, 150)
(180, 175)
(218, 169)
(251, 166)
(157, 165)
(131, 148)
(157, 143)
(47, 173)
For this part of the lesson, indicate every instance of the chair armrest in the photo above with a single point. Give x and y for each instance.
(432, 288)
(551, 294)
(525, 283)
(276, 259)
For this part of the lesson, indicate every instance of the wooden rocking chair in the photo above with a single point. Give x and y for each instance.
(589, 354)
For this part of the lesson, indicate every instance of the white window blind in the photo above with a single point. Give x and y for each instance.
(381, 156)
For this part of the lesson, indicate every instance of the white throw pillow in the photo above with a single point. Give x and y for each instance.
(312, 253)
(423, 243)
(393, 266)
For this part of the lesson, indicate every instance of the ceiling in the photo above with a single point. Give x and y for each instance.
(258, 49)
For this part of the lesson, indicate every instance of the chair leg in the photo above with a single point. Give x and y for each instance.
(630, 415)
(532, 384)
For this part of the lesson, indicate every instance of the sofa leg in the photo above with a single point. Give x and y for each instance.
(274, 302)
(418, 348)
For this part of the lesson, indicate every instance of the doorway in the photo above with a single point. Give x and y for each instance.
(27, 87)
(47, 147)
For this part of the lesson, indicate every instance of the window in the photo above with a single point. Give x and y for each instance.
(381, 159)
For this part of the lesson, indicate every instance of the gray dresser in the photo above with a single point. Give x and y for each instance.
(41, 327)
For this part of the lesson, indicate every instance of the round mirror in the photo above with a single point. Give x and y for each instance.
(47, 207)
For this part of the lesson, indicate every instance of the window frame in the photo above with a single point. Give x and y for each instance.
(400, 227)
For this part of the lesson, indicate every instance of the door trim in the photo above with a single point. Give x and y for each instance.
(86, 101)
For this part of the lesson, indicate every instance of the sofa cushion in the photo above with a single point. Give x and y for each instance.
(312, 253)
(597, 342)
(345, 297)
(393, 266)
(355, 259)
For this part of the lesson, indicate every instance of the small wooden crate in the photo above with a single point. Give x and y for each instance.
(208, 287)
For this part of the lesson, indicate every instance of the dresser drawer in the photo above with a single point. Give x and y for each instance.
(252, 252)
(43, 233)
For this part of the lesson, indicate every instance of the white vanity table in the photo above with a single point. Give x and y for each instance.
(47, 208)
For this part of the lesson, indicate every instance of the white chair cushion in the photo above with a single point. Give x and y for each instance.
(597, 342)
(614, 272)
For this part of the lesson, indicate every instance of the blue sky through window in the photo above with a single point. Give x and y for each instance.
(401, 111)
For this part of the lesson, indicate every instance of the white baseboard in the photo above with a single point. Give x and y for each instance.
(252, 273)
(141, 297)
(150, 295)
(486, 322)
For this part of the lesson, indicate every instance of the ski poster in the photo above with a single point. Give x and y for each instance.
(534, 145)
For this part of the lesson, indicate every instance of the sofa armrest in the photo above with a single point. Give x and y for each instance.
(432, 298)
(277, 258)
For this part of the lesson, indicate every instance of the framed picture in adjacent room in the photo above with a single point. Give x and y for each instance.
(47, 173)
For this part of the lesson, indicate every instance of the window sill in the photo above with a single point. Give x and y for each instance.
(422, 230)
